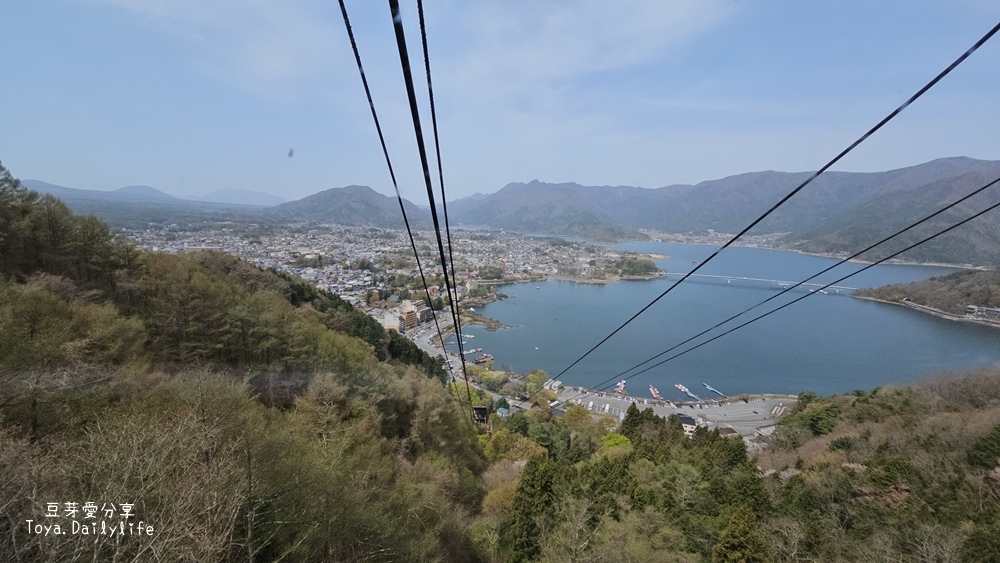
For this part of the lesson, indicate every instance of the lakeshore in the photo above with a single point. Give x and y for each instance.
(548, 324)
(745, 415)
(932, 311)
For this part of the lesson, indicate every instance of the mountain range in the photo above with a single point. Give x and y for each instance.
(837, 213)
(147, 194)
(135, 194)
(138, 206)
(134, 206)
(725, 205)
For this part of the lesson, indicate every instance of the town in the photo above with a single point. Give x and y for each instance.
(374, 269)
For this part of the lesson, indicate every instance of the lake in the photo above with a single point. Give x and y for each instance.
(829, 343)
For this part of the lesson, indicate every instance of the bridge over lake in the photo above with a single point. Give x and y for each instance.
(779, 283)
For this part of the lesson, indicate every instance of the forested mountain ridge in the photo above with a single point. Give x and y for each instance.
(976, 242)
(838, 212)
(351, 205)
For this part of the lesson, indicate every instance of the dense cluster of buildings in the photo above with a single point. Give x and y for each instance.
(407, 316)
(358, 263)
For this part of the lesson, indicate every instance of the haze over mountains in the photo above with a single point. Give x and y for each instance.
(147, 194)
(240, 196)
(839, 212)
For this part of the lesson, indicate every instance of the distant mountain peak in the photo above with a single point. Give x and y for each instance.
(144, 192)
(356, 189)
(351, 205)
(141, 189)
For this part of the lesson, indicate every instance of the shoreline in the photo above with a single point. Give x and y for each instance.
(833, 256)
(602, 281)
(662, 273)
(930, 311)
(893, 262)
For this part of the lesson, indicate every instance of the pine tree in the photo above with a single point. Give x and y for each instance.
(741, 541)
(533, 501)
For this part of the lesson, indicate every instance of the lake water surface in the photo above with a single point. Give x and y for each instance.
(825, 343)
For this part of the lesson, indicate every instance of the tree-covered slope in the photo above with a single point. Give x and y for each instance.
(896, 474)
(242, 414)
(951, 293)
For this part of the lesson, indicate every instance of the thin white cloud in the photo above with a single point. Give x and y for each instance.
(513, 47)
(554, 40)
(525, 83)
(271, 47)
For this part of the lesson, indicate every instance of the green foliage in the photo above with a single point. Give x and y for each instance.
(985, 452)
(741, 540)
(886, 470)
(636, 267)
(493, 381)
(614, 444)
(222, 477)
(882, 404)
(803, 401)
(39, 234)
(491, 273)
(535, 380)
(652, 435)
(823, 420)
(48, 323)
(204, 309)
(983, 544)
(898, 487)
(133, 376)
(436, 304)
(533, 503)
(518, 422)
(842, 443)
(951, 293)
(818, 416)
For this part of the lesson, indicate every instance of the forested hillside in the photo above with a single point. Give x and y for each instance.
(898, 474)
(244, 414)
(951, 293)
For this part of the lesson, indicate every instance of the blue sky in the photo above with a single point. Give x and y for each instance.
(190, 96)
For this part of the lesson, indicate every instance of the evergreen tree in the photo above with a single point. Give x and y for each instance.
(533, 501)
(741, 540)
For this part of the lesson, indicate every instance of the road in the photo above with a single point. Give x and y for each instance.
(760, 411)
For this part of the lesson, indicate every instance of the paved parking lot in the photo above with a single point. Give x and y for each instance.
(744, 417)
